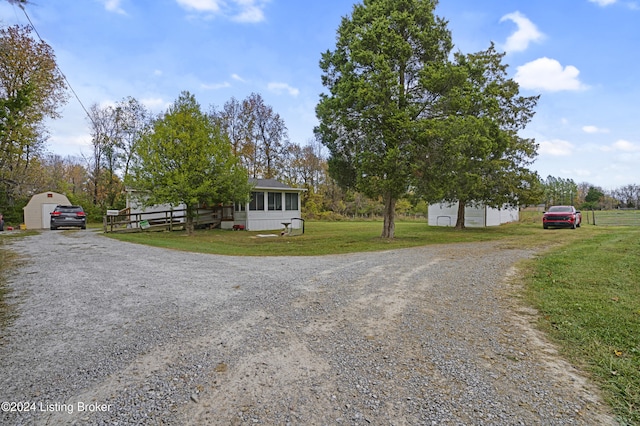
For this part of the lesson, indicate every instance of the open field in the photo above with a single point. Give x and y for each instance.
(614, 217)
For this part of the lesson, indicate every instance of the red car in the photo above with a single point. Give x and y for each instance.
(562, 216)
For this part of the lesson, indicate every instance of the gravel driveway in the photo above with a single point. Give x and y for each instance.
(108, 332)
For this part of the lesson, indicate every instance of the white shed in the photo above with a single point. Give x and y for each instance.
(37, 212)
(272, 204)
(444, 214)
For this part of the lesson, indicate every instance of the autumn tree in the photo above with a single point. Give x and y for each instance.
(31, 91)
(187, 158)
(67, 175)
(104, 160)
(115, 129)
(268, 135)
(628, 195)
(133, 121)
(237, 125)
(380, 82)
(257, 133)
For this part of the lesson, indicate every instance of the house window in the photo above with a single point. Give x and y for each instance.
(257, 201)
(291, 201)
(275, 200)
(240, 207)
(227, 213)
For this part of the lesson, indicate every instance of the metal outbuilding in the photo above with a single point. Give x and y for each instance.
(38, 210)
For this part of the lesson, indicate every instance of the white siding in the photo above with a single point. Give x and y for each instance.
(444, 214)
(268, 220)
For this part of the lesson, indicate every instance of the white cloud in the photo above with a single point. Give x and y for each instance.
(556, 148)
(594, 129)
(200, 5)
(78, 140)
(622, 146)
(548, 74)
(278, 88)
(238, 78)
(215, 86)
(583, 173)
(114, 6)
(526, 32)
(250, 11)
(154, 104)
(603, 2)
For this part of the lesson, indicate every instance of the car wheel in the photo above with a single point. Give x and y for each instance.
(83, 227)
(53, 228)
(545, 226)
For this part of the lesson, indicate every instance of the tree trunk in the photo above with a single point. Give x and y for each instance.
(389, 229)
(460, 219)
(189, 224)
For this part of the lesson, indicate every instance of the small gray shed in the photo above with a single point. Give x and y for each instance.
(38, 210)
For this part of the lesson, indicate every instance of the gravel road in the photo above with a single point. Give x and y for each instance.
(107, 332)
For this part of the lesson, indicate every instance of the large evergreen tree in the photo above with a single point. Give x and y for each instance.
(381, 82)
(473, 154)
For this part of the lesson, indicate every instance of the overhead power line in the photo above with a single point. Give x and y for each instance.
(21, 6)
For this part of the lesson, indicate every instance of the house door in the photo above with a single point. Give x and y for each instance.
(46, 215)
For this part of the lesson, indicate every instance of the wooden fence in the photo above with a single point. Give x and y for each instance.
(162, 220)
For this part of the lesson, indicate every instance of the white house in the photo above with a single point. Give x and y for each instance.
(444, 214)
(272, 204)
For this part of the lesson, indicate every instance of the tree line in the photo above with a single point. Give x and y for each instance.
(587, 196)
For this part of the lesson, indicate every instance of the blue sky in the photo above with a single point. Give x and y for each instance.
(581, 56)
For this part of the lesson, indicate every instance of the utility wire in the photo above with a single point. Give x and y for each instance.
(21, 6)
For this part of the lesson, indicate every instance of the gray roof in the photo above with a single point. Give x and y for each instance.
(271, 184)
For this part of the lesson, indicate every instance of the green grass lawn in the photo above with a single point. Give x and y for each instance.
(588, 295)
(322, 238)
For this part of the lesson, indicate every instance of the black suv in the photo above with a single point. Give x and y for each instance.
(68, 216)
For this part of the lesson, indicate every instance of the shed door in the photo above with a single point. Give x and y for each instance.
(46, 215)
